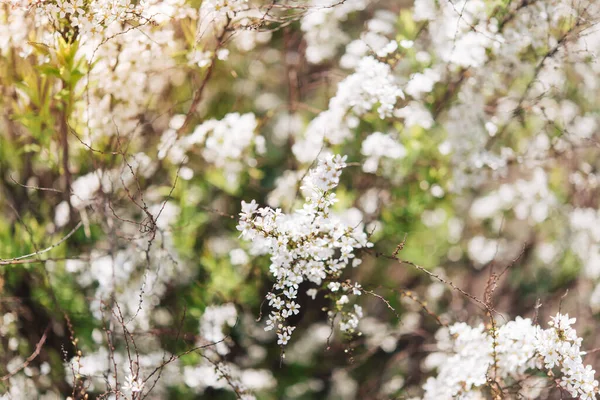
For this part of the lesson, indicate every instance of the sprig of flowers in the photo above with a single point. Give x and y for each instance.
(310, 244)
(469, 357)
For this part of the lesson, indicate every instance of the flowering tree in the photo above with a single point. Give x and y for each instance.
(294, 199)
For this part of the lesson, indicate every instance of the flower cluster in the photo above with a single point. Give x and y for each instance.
(585, 223)
(212, 322)
(93, 17)
(310, 245)
(223, 7)
(559, 346)
(460, 30)
(372, 85)
(321, 25)
(125, 72)
(528, 198)
(470, 358)
(380, 145)
(375, 39)
(131, 377)
(229, 144)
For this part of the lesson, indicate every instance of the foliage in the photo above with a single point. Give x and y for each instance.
(336, 199)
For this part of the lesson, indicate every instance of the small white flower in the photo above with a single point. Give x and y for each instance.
(223, 54)
(293, 307)
(312, 293)
(283, 338)
(133, 384)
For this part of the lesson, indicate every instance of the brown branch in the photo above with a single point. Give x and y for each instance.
(39, 252)
(36, 352)
(200, 91)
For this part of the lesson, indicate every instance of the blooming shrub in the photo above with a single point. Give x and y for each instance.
(507, 356)
(294, 199)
